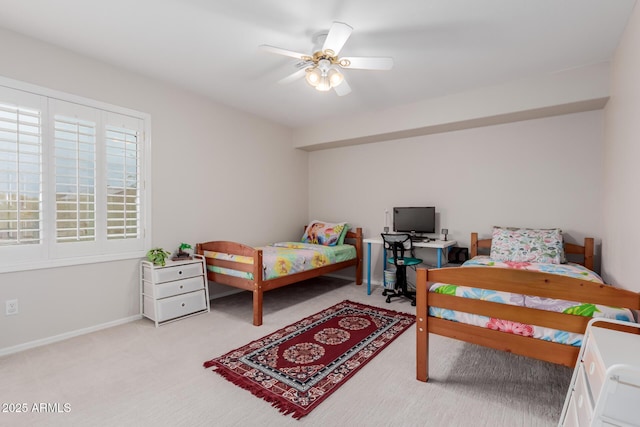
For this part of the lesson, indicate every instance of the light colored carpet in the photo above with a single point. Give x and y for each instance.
(139, 375)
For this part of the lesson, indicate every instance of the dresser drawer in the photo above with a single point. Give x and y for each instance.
(620, 401)
(177, 287)
(584, 404)
(177, 306)
(177, 272)
(571, 416)
(594, 369)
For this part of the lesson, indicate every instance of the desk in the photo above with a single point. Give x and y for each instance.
(434, 244)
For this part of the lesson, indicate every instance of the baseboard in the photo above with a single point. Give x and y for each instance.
(225, 293)
(66, 335)
(343, 276)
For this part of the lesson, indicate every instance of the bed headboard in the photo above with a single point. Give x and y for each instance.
(480, 246)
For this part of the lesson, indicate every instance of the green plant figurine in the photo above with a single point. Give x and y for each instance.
(158, 256)
(182, 253)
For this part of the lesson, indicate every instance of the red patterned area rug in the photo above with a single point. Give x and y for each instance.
(297, 367)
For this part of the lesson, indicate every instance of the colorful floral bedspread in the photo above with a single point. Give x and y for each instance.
(284, 258)
(549, 304)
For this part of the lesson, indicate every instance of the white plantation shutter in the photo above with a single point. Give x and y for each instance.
(72, 180)
(75, 178)
(123, 183)
(20, 175)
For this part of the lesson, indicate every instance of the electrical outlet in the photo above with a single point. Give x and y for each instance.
(11, 307)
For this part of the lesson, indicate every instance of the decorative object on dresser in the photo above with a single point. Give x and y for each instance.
(445, 232)
(605, 387)
(157, 256)
(532, 307)
(183, 252)
(325, 248)
(173, 291)
(297, 367)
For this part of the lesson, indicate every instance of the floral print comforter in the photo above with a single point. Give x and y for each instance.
(284, 258)
(549, 304)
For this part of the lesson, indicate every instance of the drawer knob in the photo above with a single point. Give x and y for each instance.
(181, 286)
(183, 304)
(179, 271)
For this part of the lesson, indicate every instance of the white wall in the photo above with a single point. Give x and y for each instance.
(573, 90)
(214, 174)
(622, 154)
(536, 173)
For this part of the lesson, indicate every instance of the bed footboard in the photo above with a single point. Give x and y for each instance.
(523, 282)
(239, 266)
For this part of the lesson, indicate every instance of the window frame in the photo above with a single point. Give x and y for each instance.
(47, 253)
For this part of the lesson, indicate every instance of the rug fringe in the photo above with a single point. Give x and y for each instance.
(281, 404)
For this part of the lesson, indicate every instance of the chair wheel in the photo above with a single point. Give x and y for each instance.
(388, 300)
(384, 293)
(413, 303)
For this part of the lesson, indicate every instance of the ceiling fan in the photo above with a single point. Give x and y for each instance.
(322, 69)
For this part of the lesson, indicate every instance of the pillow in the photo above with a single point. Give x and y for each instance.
(343, 235)
(528, 245)
(324, 233)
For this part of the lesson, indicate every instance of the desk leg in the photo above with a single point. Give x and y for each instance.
(368, 268)
(439, 257)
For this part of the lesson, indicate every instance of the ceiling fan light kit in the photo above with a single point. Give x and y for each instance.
(322, 70)
(324, 75)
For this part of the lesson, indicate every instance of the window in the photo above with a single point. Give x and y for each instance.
(72, 180)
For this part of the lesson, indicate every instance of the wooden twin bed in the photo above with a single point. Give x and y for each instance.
(516, 281)
(249, 260)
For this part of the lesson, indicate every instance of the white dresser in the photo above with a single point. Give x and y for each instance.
(605, 387)
(173, 291)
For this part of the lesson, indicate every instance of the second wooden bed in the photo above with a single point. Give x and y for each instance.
(515, 281)
(257, 284)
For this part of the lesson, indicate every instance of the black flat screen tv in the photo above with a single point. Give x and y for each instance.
(414, 220)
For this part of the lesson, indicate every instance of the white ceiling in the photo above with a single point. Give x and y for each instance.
(439, 46)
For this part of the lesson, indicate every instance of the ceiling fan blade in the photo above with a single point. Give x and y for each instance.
(293, 76)
(285, 52)
(343, 88)
(367, 63)
(337, 37)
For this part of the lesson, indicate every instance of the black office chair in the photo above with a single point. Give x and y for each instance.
(400, 245)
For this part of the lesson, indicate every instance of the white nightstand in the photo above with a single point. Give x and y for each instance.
(173, 291)
(605, 387)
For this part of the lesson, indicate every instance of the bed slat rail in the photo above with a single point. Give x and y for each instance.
(527, 315)
(226, 247)
(516, 344)
(278, 282)
(534, 283)
(237, 282)
(232, 265)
